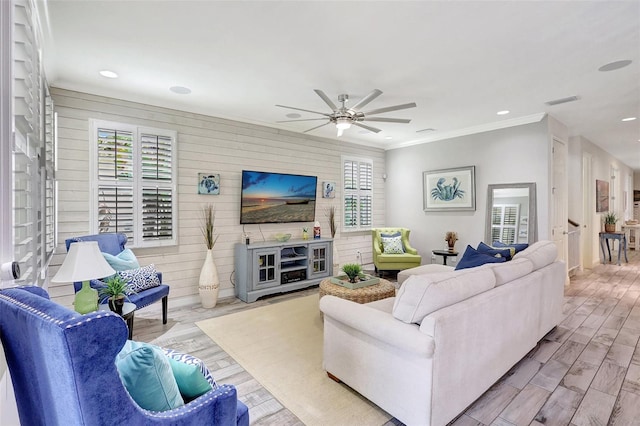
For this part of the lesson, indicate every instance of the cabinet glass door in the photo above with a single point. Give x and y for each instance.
(320, 261)
(265, 262)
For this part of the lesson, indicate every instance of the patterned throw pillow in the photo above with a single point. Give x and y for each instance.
(392, 245)
(141, 278)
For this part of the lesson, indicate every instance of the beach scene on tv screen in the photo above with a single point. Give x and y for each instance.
(276, 197)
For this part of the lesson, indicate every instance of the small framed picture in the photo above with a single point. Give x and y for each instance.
(209, 183)
(328, 190)
(450, 189)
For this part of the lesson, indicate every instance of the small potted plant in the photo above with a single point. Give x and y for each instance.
(116, 290)
(353, 271)
(610, 220)
(451, 238)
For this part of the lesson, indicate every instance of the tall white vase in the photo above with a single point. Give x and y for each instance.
(209, 284)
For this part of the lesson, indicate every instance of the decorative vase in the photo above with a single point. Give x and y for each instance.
(451, 244)
(116, 304)
(86, 299)
(209, 284)
(610, 227)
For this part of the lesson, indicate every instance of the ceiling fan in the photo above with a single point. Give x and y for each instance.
(343, 117)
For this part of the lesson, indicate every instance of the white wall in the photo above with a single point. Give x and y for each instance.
(511, 155)
(205, 144)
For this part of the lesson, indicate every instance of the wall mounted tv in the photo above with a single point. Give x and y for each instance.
(277, 198)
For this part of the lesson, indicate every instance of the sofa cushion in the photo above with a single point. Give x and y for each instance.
(141, 278)
(146, 374)
(541, 254)
(392, 245)
(495, 252)
(472, 258)
(423, 269)
(122, 261)
(421, 295)
(509, 271)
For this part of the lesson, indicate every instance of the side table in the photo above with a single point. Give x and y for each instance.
(622, 246)
(128, 312)
(445, 254)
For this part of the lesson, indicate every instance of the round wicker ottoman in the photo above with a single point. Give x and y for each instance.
(367, 294)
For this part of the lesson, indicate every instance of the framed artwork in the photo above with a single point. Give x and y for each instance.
(602, 196)
(328, 190)
(209, 183)
(449, 189)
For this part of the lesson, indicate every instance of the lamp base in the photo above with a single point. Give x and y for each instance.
(86, 299)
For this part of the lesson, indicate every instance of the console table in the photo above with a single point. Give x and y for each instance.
(622, 244)
(636, 233)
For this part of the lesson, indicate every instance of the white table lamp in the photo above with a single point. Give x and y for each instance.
(84, 262)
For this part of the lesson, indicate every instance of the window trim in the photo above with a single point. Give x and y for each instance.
(347, 192)
(137, 183)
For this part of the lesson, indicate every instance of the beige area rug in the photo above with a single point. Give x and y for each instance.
(280, 345)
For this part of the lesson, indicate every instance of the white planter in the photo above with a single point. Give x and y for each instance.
(209, 284)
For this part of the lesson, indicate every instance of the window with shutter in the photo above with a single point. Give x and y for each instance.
(504, 222)
(134, 183)
(357, 184)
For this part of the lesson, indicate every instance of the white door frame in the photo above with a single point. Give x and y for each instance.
(588, 207)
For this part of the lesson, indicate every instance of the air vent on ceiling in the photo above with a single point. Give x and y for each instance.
(562, 101)
(430, 129)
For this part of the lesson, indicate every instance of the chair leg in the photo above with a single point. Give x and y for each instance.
(165, 303)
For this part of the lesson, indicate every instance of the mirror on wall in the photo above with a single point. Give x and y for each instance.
(511, 213)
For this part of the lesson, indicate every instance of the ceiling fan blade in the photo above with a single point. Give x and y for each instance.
(313, 128)
(390, 108)
(364, 126)
(302, 119)
(371, 96)
(305, 110)
(326, 99)
(389, 120)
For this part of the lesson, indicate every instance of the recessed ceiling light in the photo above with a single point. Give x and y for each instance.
(108, 74)
(612, 66)
(293, 115)
(180, 90)
(388, 137)
(629, 119)
(503, 112)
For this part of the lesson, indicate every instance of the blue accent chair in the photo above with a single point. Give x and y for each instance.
(113, 243)
(62, 366)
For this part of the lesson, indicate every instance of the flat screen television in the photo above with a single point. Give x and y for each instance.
(277, 198)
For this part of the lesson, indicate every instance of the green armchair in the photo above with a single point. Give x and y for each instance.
(393, 262)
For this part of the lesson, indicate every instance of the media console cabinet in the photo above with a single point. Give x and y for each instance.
(271, 267)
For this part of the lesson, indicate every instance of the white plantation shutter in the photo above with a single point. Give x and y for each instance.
(135, 183)
(357, 180)
(504, 222)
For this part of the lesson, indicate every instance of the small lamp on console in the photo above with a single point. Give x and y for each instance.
(84, 262)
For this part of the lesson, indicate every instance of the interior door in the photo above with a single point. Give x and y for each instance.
(559, 200)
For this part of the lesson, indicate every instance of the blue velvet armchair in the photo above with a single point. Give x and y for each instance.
(113, 243)
(62, 366)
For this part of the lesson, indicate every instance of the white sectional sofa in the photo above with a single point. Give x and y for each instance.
(427, 354)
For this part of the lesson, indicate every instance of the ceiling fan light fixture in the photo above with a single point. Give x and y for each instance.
(343, 123)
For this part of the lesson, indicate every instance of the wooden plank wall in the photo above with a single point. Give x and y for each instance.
(205, 144)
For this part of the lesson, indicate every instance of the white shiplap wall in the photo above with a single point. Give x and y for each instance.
(205, 144)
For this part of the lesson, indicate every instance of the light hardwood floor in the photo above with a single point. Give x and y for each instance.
(585, 372)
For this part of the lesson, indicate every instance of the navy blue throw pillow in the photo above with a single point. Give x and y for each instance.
(472, 258)
(484, 248)
(518, 247)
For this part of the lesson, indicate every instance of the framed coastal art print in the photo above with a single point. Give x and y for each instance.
(449, 189)
(209, 183)
(328, 190)
(602, 196)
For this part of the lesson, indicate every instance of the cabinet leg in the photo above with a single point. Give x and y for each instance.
(334, 378)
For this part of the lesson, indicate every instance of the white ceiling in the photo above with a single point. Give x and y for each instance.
(461, 62)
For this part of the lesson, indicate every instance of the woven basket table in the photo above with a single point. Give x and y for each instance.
(366, 294)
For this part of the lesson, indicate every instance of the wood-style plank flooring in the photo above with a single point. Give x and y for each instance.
(585, 372)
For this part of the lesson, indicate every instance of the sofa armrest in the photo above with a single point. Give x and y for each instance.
(378, 324)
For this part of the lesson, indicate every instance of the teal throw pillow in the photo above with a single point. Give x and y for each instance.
(472, 258)
(122, 261)
(191, 381)
(392, 245)
(147, 375)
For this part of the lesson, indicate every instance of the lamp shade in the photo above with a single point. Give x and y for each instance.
(83, 262)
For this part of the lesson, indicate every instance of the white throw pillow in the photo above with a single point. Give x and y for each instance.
(541, 254)
(421, 295)
(509, 271)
